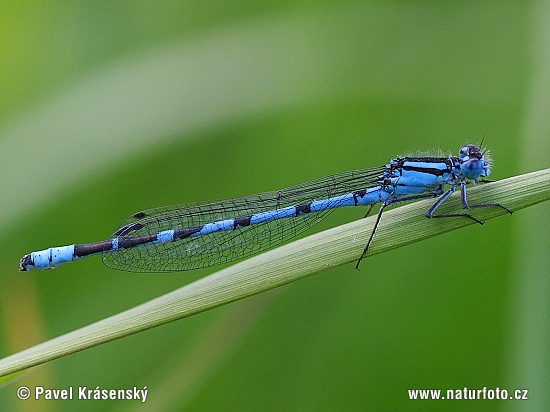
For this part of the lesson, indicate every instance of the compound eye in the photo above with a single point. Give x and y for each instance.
(472, 169)
(464, 151)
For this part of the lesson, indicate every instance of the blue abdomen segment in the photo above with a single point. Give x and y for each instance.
(50, 258)
(271, 215)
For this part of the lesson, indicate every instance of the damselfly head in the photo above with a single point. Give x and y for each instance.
(473, 163)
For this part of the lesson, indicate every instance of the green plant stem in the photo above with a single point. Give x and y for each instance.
(338, 246)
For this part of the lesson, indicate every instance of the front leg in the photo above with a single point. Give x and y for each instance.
(464, 201)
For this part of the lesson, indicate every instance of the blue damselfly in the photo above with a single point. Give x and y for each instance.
(192, 236)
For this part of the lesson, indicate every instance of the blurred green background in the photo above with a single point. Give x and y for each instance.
(113, 107)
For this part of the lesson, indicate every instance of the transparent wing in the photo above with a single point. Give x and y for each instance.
(225, 246)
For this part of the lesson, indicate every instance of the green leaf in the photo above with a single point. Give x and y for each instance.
(338, 246)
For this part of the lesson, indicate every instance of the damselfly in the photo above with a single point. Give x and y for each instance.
(192, 236)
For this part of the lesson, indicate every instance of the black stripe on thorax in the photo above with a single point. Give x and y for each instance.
(400, 164)
(431, 171)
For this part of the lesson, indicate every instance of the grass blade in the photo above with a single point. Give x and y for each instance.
(338, 246)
